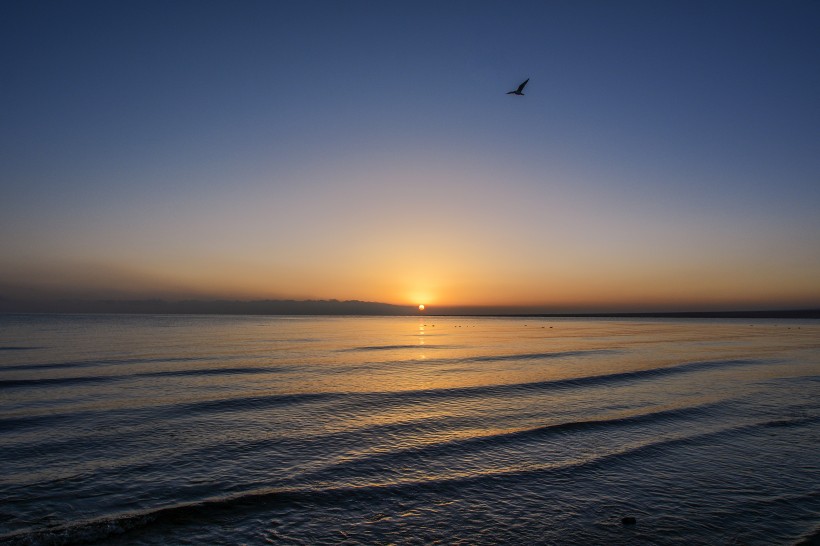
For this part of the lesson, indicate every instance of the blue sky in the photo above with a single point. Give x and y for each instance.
(665, 153)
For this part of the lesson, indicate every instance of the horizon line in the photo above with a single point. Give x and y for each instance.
(335, 307)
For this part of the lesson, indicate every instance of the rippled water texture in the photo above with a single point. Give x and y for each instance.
(320, 430)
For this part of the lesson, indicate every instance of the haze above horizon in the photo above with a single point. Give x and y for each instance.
(664, 155)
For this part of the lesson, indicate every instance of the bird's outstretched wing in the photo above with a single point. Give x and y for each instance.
(521, 87)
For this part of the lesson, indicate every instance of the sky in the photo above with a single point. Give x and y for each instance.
(665, 155)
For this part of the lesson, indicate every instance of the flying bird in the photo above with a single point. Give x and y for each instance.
(520, 89)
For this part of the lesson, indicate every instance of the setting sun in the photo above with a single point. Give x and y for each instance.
(421, 307)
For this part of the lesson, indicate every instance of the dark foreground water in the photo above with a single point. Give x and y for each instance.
(319, 430)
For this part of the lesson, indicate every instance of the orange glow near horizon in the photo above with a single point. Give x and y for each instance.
(464, 282)
(532, 253)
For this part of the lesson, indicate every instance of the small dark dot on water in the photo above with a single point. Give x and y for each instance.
(629, 520)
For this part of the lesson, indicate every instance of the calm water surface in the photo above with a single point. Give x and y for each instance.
(343, 430)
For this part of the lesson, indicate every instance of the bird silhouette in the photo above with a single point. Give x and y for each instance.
(520, 89)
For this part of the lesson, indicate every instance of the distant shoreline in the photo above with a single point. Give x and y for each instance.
(354, 308)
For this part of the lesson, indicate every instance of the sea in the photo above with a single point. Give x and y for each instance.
(159, 429)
